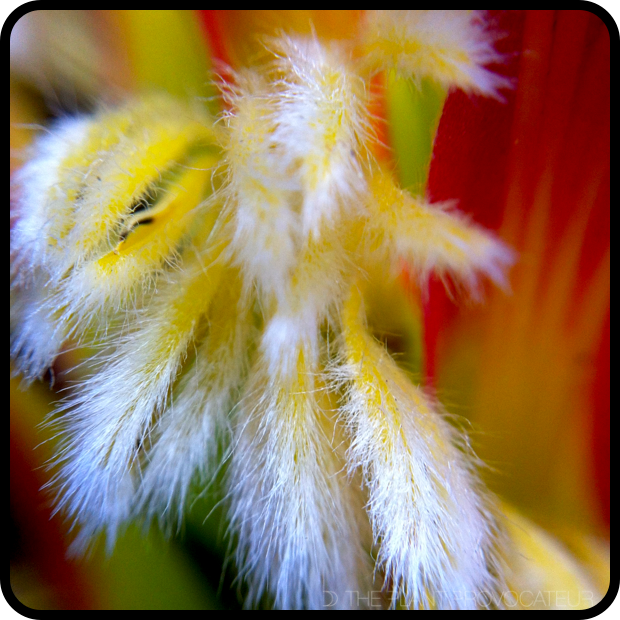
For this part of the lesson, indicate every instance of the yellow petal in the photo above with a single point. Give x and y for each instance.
(543, 574)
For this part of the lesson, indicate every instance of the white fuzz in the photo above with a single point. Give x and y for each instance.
(36, 338)
(281, 334)
(432, 522)
(108, 420)
(311, 295)
(296, 273)
(43, 208)
(450, 47)
(187, 436)
(448, 244)
(260, 190)
(433, 238)
(322, 127)
(296, 535)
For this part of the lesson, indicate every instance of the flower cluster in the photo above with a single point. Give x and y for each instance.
(221, 267)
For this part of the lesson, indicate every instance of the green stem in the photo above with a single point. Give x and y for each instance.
(413, 112)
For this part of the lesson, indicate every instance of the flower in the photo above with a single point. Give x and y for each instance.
(229, 266)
